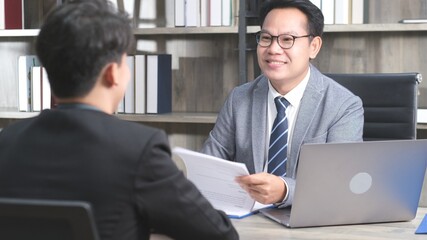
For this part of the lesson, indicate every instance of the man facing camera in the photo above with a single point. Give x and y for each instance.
(79, 151)
(263, 123)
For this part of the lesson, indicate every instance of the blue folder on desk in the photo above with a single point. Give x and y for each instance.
(422, 229)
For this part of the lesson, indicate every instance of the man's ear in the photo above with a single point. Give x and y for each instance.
(315, 45)
(109, 74)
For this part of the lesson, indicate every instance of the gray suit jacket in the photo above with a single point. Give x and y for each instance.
(328, 113)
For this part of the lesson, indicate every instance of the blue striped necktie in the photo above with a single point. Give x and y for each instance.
(278, 148)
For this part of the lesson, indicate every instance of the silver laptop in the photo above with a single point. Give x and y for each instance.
(353, 183)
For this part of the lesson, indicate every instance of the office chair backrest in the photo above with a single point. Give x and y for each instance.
(389, 101)
(46, 220)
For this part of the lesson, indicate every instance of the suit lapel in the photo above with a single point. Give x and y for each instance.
(259, 124)
(309, 106)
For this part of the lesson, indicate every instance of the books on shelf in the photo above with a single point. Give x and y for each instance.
(150, 87)
(204, 13)
(215, 13)
(36, 90)
(196, 13)
(25, 65)
(140, 74)
(226, 13)
(328, 10)
(357, 11)
(46, 95)
(2, 20)
(40, 93)
(179, 13)
(169, 14)
(13, 14)
(24, 14)
(159, 83)
(192, 13)
(29, 14)
(341, 11)
(182, 13)
(130, 90)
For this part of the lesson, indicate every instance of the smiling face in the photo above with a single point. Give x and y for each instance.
(286, 68)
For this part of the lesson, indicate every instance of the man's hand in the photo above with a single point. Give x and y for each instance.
(263, 187)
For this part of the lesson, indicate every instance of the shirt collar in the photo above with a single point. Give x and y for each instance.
(294, 96)
(77, 106)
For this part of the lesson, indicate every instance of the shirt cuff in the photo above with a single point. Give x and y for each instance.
(286, 194)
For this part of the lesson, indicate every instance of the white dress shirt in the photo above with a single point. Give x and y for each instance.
(294, 98)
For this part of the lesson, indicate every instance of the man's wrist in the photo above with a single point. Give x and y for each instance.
(286, 192)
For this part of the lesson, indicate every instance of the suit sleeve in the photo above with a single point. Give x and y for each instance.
(220, 142)
(170, 203)
(349, 124)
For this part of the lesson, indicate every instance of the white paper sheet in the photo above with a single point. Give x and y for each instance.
(215, 178)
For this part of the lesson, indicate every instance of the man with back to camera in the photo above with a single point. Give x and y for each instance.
(79, 151)
(313, 108)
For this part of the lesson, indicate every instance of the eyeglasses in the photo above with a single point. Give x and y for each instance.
(285, 41)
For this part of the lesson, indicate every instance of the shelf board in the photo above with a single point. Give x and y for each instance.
(180, 117)
(185, 30)
(19, 32)
(377, 27)
(383, 27)
(17, 115)
(137, 32)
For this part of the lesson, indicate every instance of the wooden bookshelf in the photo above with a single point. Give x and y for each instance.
(206, 62)
(347, 48)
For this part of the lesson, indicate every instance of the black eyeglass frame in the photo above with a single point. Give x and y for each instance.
(258, 36)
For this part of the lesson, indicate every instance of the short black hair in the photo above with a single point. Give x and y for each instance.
(314, 14)
(77, 40)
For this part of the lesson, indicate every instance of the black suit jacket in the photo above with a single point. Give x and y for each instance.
(123, 169)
